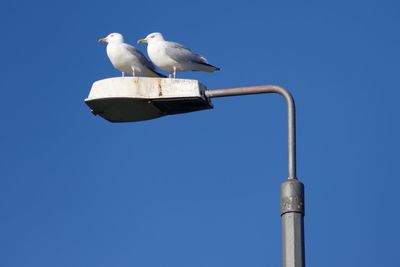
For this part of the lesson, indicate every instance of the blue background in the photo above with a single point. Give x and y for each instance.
(200, 189)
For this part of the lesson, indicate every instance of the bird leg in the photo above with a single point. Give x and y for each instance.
(174, 72)
(133, 71)
(123, 74)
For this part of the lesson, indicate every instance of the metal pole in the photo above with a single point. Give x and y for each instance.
(292, 190)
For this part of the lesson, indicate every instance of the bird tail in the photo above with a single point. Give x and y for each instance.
(207, 67)
(204, 64)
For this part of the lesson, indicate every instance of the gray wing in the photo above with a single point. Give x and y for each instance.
(143, 60)
(180, 53)
(140, 57)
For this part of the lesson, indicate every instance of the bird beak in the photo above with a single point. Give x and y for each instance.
(144, 40)
(104, 40)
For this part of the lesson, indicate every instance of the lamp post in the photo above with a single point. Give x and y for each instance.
(292, 190)
(134, 99)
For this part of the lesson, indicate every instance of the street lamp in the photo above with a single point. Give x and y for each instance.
(128, 99)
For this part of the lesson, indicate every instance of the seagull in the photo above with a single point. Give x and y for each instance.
(127, 58)
(173, 57)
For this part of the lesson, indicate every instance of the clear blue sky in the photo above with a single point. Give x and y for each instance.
(200, 189)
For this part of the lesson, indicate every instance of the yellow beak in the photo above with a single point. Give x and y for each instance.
(104, 40)
(142, 41)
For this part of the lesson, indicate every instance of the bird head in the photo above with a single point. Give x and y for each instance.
(113, 38)
(155, 36)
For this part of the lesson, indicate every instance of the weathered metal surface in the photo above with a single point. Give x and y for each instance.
(292, 196)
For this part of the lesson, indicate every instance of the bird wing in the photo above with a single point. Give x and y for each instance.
(139, 55)
(143, 60)
(180, 53)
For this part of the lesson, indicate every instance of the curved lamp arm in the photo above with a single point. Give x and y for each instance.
(266, 89)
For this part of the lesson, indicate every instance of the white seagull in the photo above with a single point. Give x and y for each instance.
(173, 57)
(128, 59)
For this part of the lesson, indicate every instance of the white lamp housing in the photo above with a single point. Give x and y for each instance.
(128, 99)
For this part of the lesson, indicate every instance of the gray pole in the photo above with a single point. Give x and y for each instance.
(292, 190)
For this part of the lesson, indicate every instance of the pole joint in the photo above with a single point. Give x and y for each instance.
(292, 196)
